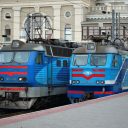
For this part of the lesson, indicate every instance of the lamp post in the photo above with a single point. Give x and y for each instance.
(115, 24)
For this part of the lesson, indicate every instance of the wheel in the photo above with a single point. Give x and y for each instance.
(77, 100)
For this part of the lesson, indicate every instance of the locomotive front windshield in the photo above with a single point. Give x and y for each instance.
(80, 60)
(98, 59)
(14, 57)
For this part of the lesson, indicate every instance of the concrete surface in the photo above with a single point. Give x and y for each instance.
(106, 112)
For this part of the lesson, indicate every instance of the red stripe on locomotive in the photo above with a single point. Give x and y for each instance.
(13, 73)
(14, 67)
(88, 77)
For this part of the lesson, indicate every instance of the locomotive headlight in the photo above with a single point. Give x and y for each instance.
(77, 81)
(22, 79)
(73, 81)
(1, 79)
(98, 82)
(102, 82)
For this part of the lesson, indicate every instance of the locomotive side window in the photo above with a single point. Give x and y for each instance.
(60, 51)
(80, 60)
(39, 58)
(65, 63)
(115, 61)
(98, 60)
(58, 63)
(48, 50)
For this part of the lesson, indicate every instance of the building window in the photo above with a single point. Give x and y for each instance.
(68, 32)
(7, 16)
(88, 31)
(7, 33)
(67, 14)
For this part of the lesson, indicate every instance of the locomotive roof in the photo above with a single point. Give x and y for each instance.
(24, 47)
(50, 50)
(98, 49)
(18, 45)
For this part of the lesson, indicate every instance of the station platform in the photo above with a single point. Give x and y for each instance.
(106, 112)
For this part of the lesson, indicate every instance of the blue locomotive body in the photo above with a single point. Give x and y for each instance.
(97, 72)
(32, 72)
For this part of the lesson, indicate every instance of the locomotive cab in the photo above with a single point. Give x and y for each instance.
(17, 63)
(94, 72)
(31, 74)
(17, 74)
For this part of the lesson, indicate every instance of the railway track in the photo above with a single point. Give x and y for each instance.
(12, 112)
(8, 113)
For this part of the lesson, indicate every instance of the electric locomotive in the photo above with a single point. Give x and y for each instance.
(32, 74)
(97, 70)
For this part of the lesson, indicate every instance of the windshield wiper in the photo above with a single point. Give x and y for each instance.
(16, 62)
(75, 63)
(93, 63)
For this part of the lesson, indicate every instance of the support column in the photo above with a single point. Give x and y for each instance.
(56, 24)
(16, 22)
(78, 20)
(113, 25)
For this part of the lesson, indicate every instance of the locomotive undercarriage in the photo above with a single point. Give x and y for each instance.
(35, 97)
(85, 97)
(85, 92)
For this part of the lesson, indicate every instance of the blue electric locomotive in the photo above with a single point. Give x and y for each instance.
(97, 71)
(31, 74)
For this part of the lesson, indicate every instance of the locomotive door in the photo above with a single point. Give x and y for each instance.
(49, 73)
(40, 69)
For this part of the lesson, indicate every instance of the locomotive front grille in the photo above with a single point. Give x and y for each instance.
(13, 96)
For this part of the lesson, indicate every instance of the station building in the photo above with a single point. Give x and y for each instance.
(65, 17)
(69, 19)
(98, 20)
